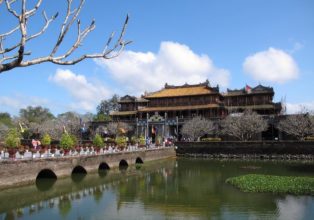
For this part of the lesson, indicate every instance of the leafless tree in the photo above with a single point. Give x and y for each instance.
(117, 128)
(52, 127)
(197, 127)
(3, 131)
(101, 130)
(243, 126)
(298, 125)
(13, 56)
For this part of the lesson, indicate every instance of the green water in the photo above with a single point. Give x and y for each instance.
(169, 189)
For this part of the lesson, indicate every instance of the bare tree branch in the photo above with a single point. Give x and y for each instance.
(10, 61)
(9, 3)
(197, 127)
(300, 125)
(10, 32)
(243, 127)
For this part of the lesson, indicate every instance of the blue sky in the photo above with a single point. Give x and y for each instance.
(232, 43)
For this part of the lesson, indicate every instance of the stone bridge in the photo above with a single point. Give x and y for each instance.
(21, 172)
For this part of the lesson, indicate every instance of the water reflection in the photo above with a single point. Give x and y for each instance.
(185, 188)
(78, 177)
(45, 184)
(102, 173)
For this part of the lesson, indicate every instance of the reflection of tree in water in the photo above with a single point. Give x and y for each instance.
(98, 194)
(64, 206)
(193, 187)
(9, 216)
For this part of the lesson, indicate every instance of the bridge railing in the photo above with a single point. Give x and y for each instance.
(89, 151)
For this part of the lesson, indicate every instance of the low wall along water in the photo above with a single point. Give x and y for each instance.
(249, 149)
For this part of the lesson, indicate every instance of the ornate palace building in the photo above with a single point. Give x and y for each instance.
(163, 112)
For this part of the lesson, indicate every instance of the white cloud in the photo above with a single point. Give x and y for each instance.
(14, 103)
(272, 65)
(86, 94)
(296, 47)
(293, 108)
(174, 63)
(292, 207)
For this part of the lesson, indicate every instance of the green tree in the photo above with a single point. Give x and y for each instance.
(46, 140)
(98, 141)
(102, 117)
(5, 119)
(108, 105)
(66, 141)
(13, 138)
(121, 141)
(35, 115)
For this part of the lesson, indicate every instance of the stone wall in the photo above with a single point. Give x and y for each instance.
(21, 172)
(253, 149)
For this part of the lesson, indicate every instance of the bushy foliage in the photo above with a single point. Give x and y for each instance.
(46, 140)
(102, 117)
(36, 114)
(142, 140)
(109, 105)
(66, 141)
(13, 138)
(98, 141)
(134, 139)
(74, 139)
(211, 139)
(121, 141)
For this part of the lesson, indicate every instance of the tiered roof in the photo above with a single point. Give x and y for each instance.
(178, 108)
(248, 90)
(184, 90)
(128, 98)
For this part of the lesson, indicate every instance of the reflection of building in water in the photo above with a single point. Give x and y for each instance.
(63, 203)
(162, 113)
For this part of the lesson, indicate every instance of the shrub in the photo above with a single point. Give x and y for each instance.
(211, 139)
(134, 140)
(309, 138)
(142, 140)
(12, 139)
(74, 139)
(46, 140)
(121, 141)
(98, 141)
(158, 140)
(66, 141)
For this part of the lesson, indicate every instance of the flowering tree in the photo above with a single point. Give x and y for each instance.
(197, 127)
(13, 54)
(245, 126)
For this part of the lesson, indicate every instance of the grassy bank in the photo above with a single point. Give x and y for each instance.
(273, 184)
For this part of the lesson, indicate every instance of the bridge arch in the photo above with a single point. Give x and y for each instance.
(79, 170)
(46, 174)
(123, 165)
(103, 166)
(139, 160)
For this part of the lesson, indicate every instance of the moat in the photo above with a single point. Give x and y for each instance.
(166, 189)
